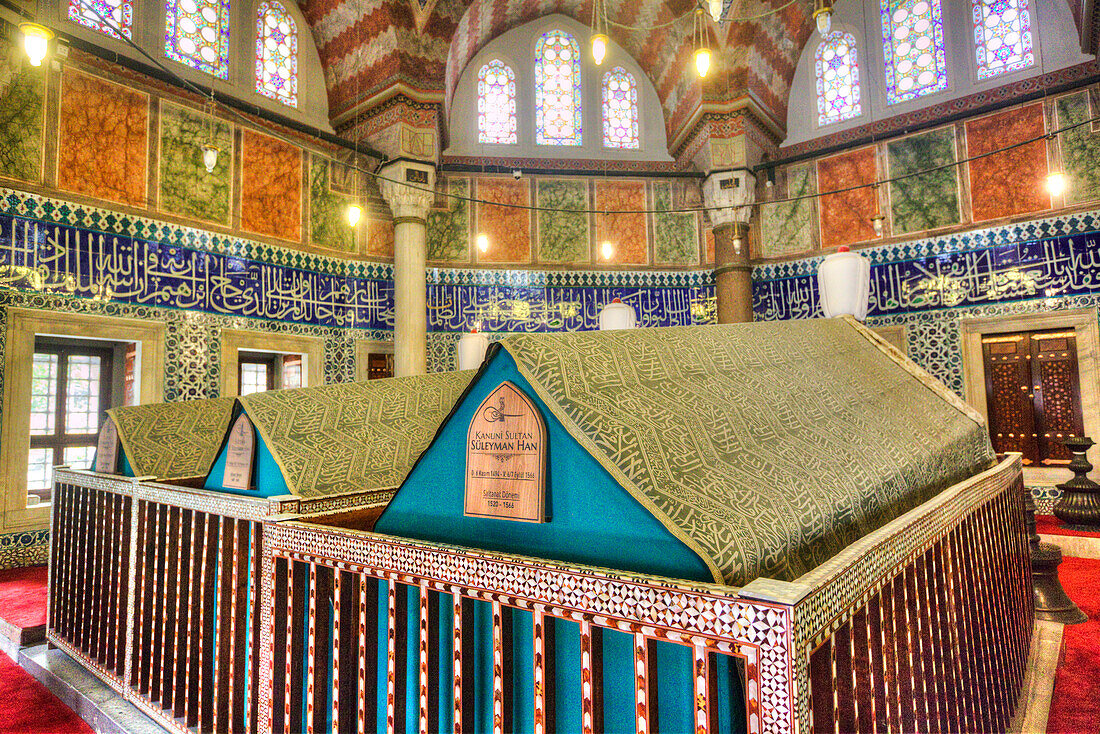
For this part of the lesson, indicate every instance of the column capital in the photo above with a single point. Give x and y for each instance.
(408, 202)
(729, 196)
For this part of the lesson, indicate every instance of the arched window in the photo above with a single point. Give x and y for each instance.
(620, 109)
(103, 15)
(1002, 34)
(557, 90)
(837, 69)
(912, 45)
(276, 53)
(496, 103)
(197, 34)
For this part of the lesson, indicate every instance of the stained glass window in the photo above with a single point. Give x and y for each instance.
(496, 103)
(557, 90)
(103, 15)
(276, 53)
(620, 109)
(912, 45)
(837, 68)
(197, 34)
(1002, 35)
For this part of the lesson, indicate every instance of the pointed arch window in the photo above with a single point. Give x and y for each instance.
(1002, 36)
(912, 46)
(557, 89)
(276, 53)
(496, 103)
(104, 16)
(197, 34)
(620, 109)
(836, 65)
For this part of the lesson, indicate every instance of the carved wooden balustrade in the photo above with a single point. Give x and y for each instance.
(221, 613)
(923, 625)
(153, 588)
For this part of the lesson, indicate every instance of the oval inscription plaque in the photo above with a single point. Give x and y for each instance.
(239, 454)
(506, 458)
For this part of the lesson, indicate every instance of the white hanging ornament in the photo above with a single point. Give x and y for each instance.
(471, 349)
(844, 284)
(617, 315)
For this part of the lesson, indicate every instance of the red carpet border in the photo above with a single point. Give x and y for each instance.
(1075, 708)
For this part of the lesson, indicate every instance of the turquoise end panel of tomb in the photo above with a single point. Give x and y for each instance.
(592, 519)
(267, 477)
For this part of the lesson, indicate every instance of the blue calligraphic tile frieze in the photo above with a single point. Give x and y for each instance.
(61, 249)
(1052, 267)
(66, 260)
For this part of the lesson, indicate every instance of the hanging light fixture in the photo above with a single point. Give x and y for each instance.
(36, 41)
(607, 250)
(702, 53)
(355, 213)
(483, 243)
(210, 156)
(878, 220)
(1056, 183)
(716, 10)
(599, 38)
(209, 147)
(823, 16)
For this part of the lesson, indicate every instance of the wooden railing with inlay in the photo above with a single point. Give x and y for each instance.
(153, 588)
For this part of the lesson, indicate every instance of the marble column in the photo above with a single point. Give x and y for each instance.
(729, 196)
(410, 231)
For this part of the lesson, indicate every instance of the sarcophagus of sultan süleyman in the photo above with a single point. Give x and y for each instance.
(155, 559)
(765, 527)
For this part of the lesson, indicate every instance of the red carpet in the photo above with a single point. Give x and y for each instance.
(1075, 708)
(28, 708)
(23, 596)
(1050, 525)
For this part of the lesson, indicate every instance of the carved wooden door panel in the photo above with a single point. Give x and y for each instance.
(1055, 384)
(1033, 393)
(1008, 395)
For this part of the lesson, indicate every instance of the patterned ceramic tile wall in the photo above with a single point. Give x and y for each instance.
(930, 285)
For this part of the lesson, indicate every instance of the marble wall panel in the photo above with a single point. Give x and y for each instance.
(1080, 149)
(328, 223)
(626, 232)
(508, 228)
(846, 217)
(379, 237)
(449, 227)
(186, 188)
(1012, 181)
(931, 199)
(271, 186)
(103, 139)
(563, 237)
(788, 227)
(675, 236)
(22, 109)
(710, 245)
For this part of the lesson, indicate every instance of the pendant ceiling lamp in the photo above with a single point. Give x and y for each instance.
(699, 40)
(600, 39)
(36, 41)
(823, 16)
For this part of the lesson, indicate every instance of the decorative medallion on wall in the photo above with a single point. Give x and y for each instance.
(506, 458)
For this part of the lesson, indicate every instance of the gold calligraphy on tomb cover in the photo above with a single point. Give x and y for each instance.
(173, 440)
(353, 436)
(768, 447)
